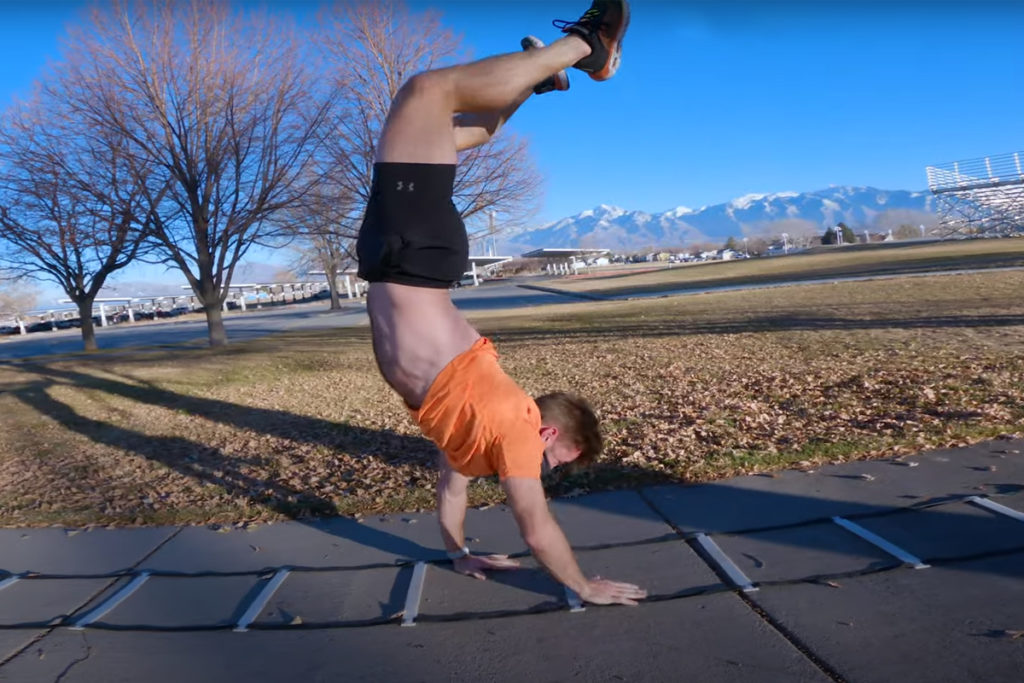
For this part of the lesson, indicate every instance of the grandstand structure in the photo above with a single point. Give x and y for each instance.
(980, 196)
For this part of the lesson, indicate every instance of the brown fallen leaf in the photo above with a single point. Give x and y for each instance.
(296, 621)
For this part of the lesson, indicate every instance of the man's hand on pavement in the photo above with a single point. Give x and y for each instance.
(604, 592)
(476, 565)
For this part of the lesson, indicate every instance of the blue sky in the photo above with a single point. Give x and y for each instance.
(715, 100)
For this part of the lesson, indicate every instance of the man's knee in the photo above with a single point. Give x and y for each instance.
(426, 85)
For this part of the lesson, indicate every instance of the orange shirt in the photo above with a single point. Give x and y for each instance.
(480, 418)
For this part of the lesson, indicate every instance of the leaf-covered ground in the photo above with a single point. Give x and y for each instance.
(689, 389)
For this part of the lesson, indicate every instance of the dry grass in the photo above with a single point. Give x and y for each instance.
(852, 261)
(690, 389)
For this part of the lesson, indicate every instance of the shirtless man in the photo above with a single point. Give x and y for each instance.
(412, 246)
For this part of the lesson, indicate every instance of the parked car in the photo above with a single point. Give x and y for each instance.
(467, 281)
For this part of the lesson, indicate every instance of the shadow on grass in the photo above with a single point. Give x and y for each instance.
(190, 458)
(276, 423)
(210, 465)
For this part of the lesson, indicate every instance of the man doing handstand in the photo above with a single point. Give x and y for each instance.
(412, 246)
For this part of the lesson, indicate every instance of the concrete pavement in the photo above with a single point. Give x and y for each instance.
(800, 576)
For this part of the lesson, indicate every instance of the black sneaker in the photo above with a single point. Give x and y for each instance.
(560, 81)
(603, 27)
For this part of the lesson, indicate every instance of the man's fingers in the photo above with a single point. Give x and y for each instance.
(629, 589)
(617, 592)
(624, 586)
(498, 562)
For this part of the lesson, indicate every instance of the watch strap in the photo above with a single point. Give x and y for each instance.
(458, 554)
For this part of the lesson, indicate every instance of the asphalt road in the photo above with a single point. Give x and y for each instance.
(514, 293)
(240, 326)
(256, 323)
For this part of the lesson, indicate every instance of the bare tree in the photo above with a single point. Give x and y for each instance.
(896, 220)
(323, 233)
(326, 253)
(223, 102)
(800, 233)
(72, 207)
(16, 298)
(372, 48)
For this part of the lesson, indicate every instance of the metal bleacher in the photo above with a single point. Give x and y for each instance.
(980, 196)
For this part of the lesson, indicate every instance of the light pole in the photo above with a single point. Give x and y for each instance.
(746, 251)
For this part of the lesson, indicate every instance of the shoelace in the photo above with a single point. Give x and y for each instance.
(588, 20)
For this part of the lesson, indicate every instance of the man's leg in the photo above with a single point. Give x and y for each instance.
(415, 327)
(473, 129)
(420, 126)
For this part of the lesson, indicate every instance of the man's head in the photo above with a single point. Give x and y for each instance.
(569, 429)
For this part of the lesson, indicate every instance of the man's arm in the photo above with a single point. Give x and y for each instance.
(549, 545)
(451, 513)
(451, 505)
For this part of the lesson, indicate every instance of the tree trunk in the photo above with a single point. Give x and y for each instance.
(88, 329)
(332, 287)
(215, 323)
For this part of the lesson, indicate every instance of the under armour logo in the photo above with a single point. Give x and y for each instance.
(402, 185)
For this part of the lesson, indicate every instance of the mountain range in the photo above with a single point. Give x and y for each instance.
(610, 227)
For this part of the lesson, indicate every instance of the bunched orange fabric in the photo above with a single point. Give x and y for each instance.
(480, 418)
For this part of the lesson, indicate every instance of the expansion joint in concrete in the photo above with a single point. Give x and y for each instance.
(792, 639)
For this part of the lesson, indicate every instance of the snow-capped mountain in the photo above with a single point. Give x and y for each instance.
(754, 214)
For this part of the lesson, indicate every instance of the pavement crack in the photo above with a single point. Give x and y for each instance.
(790, 637)
(75, 662)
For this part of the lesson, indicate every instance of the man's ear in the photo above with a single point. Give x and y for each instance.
(548, 433)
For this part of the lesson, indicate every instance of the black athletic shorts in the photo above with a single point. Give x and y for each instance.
(412, 233)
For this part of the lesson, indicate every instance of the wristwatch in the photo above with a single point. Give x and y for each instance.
(458, 554)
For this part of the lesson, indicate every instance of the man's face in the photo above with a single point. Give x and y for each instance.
(558, 450)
